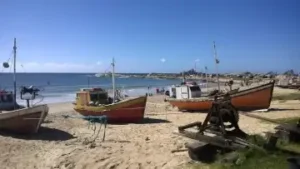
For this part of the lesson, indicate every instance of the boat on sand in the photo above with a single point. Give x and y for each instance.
(24, 121)
(96, 102)
(18, 119)
(254, 98)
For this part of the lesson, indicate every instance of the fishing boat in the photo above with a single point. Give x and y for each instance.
(96, 102)
(253, 98)
(16, 118)
(24, 121)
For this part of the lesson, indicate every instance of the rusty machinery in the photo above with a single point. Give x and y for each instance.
(219, 131)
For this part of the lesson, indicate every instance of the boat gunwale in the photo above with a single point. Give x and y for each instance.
(233, 95)
(24, 111)
(107, 107)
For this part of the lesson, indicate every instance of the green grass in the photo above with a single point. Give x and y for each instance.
(256, 159)
(290, 120)
(291, 96)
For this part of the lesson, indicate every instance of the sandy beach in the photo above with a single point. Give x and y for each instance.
(64, 143)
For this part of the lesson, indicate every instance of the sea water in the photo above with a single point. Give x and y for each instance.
(62, 87)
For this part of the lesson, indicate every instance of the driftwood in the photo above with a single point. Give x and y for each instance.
(261, 118)
(179, 150)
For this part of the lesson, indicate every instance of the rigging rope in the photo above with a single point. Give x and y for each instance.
(92, 120)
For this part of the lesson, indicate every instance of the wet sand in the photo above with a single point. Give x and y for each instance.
(66, 143)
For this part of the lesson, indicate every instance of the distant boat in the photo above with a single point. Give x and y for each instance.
(255, 98)
(109, 74)
(95, 102)
(100, 75)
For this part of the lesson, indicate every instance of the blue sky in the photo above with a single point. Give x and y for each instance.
(84, 35)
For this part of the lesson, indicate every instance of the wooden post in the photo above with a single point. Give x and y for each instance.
(15, 83)
(217, 62)
(113, 79)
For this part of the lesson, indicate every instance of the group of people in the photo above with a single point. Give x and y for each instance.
(158, 90)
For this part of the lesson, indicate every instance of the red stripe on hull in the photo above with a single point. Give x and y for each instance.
(129, 114)
(243, 100)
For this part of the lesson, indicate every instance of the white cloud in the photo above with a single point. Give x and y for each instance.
(58, 67)
(163, 60)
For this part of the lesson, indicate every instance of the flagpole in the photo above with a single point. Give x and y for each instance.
(217, 62)
(113, 79)
(206, 79)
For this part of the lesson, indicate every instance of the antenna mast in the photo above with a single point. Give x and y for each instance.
(113, 79)
(15, 83)
(217, 62)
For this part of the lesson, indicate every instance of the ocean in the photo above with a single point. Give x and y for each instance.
(62, 87)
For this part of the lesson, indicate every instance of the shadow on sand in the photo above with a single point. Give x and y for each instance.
(194, 111)
(263, 110)
(48, 134)
(279, 109)
(146, 120)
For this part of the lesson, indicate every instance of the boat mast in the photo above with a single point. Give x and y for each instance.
(15, 83)
(217, 62)
(206, 79)
(113, 78)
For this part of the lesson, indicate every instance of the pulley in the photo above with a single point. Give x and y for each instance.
(5, 65)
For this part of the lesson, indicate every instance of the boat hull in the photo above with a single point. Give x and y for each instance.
(24, 121)
(247, 100)
(127, 111)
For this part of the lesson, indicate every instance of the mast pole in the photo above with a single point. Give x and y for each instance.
(217, 62)
(15, 83)
(206, 79)
(113, 79)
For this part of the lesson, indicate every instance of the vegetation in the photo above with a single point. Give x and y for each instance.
(255, 158)
(291, 120)
(290, 96)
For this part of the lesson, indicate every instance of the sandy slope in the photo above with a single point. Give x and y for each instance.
(62, 143)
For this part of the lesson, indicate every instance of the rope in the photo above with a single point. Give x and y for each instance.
(92, 120)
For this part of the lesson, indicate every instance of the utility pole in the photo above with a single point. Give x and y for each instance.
(217, 62)
(206, 78)
(113, 79)
(15, 83)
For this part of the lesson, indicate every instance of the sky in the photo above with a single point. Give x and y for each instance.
(151, 35)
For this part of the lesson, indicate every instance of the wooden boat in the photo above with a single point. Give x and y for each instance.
(95, 102)
(25, 121)
(124, 111)
(254, 98)
(16, 118)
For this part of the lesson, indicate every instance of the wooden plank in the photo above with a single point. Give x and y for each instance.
(213, 140)
(289, 127)
(261, 118)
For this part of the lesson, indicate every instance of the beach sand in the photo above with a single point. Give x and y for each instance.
(65, 143)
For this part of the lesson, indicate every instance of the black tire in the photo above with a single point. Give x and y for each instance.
(231, 110)
(206, 155)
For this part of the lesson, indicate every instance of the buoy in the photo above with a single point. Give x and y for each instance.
(5, 65)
